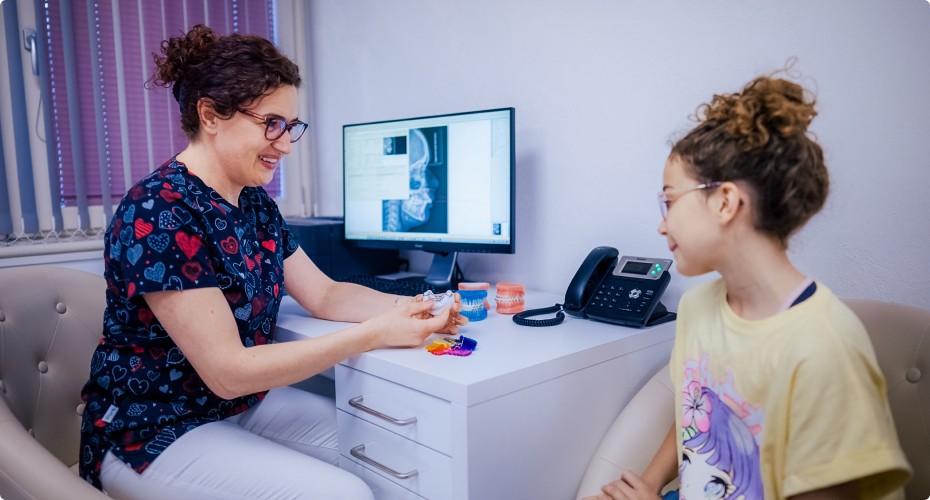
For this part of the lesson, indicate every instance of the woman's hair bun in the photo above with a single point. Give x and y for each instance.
(764, 107)
(182, 52)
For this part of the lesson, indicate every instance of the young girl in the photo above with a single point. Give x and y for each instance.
(779, 392)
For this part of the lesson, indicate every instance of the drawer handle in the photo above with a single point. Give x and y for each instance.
(356, 402)
(359, 453)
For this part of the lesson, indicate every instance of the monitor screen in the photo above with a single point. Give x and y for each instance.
(441, 184)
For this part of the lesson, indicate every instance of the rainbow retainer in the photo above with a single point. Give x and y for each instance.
(461, 346)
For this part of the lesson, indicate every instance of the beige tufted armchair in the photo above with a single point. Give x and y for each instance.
(901, 337)
(50, 321)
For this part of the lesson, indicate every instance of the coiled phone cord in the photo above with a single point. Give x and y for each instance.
(522, 318)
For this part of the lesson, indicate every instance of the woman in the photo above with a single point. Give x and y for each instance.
(188, 396)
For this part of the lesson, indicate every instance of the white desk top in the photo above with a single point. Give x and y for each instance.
(509, 357)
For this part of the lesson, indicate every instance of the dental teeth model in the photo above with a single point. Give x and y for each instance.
(509, 298)
(473, 304)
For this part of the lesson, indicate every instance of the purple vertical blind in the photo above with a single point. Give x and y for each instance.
(140, 122)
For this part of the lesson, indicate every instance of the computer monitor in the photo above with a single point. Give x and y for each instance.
(442, 184)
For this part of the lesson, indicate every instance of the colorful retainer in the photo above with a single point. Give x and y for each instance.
(509, 298)
(461, 346)
(473, 304)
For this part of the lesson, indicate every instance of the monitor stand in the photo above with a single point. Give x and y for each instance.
(444, 271)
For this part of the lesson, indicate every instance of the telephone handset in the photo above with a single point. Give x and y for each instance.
(595, 267)
(607, 287)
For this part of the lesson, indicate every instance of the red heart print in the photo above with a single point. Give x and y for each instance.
(170, 196)
(142, 228)
(191, 270)
(269, 244)
(230, 245)
(188, 244)
(145, 315)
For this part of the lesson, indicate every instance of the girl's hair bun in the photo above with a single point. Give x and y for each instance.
(759, 136)
(764, 107)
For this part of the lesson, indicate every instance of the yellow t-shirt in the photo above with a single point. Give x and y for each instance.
(780, 406)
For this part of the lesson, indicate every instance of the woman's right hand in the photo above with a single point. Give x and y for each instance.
(407, 325)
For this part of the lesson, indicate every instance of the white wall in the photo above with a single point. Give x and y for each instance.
(602, 86)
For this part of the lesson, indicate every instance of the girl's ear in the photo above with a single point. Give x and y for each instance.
(729, 202)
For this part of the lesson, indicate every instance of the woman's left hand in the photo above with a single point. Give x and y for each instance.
(455, 319)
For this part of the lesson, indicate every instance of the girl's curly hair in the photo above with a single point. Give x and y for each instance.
(759, 136)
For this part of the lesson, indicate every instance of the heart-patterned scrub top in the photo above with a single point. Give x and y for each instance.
(173, 232)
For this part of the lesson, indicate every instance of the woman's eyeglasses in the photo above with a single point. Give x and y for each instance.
(275, 126)
(665, 203)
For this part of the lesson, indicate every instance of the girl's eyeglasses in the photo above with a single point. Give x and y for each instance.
(665, 203)
(275, 126)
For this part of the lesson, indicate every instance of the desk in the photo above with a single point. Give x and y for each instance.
(519, 418)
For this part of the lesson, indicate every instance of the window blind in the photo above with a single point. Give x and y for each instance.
(104, 126)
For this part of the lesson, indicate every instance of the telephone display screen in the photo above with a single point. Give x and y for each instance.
(636, 268)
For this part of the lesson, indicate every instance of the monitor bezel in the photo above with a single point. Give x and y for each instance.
(436, 246)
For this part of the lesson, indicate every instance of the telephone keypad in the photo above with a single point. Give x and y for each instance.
(616, 296)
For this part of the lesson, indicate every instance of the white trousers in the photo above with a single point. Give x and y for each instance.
(284, 447)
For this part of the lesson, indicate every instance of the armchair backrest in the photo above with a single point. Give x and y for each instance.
(901, 337)
(51, 319)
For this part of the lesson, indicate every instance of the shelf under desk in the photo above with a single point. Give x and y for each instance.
(525, 411)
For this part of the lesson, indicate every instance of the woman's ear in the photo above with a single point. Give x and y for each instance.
(207, 115)
(729, 202)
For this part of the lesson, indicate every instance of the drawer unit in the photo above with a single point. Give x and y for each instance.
(399, 409)
(415, 426)
(417, 468)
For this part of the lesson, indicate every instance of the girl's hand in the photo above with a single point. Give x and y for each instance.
(628, 487)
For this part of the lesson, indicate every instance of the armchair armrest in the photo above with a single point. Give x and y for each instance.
(635, 435)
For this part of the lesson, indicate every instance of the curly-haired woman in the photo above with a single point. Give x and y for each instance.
(188, 396)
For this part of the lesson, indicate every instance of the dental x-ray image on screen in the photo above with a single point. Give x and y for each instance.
(424, 208)
(442, 184)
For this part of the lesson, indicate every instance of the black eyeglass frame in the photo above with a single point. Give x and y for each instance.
(273, 129)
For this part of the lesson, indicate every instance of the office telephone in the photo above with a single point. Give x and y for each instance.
(607, 287)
